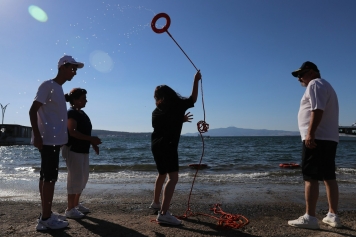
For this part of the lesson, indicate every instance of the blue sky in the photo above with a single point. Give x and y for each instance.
(245, 50)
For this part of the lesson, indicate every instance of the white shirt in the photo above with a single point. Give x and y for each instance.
(319, 94)
(52, 115)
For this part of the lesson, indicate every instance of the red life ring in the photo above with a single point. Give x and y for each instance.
(196, 166)
(289, 165)
(154, 20)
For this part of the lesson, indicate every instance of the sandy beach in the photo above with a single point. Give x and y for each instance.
(120, 212)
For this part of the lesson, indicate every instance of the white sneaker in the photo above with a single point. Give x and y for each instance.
(155, 206)
(51, 223)
(168, 219)
(74, 214)
(56, 215)
(82, 208)
(306, 223)
(333, 221)
(59, 216)
(40, 227)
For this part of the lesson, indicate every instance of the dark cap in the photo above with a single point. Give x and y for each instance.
(305, 65)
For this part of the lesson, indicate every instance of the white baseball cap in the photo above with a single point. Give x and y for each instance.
(69, 59)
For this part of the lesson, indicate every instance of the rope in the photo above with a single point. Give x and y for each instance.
(181, 49)
(225, 220)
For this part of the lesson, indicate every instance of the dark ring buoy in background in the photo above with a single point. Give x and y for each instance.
(196, 166)
(154, 20)
(289, 165)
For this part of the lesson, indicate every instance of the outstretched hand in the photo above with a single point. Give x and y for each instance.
(188, 117)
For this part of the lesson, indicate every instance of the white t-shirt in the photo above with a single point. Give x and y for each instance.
(319, 94)
(52, 115)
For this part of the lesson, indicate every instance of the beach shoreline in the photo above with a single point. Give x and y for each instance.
(118, 211)
(224, 192)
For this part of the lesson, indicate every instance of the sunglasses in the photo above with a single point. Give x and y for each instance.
(300, 75)
(73, 67)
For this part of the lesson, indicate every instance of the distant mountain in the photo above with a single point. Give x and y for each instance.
(221, 132)
(101, 133)
(233, 131)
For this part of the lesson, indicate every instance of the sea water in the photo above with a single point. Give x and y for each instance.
(127, 162)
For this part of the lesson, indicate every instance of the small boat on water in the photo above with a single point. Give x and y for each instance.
(13, 134)
(347, 132)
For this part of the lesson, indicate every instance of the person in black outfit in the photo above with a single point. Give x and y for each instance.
(167, 122)
(76, 151)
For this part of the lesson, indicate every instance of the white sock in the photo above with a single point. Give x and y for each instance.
(331, 214)
(308, 217)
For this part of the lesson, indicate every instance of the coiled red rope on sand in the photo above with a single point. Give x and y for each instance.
(225, 220)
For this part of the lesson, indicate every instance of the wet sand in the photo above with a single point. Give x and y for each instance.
(123, 211)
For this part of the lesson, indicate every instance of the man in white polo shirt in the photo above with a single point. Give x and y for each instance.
(318, 121)
(48, 115)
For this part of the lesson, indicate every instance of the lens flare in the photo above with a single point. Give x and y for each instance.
(37, 13)
(101, 61)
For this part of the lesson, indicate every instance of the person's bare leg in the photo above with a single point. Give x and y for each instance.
(332, 192)
(158, 187)
(311, 196)
(40, 185)
(168, 191)
(76, 199)
(47, 198)
(71, 201)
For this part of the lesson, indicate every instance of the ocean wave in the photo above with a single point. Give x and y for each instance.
(228, 159)
(108, 168)
(127, 176)
(345, 171)
(25, 169)
(117, 168)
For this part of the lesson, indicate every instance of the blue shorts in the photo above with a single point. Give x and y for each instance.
(319, 163)
(49, 163)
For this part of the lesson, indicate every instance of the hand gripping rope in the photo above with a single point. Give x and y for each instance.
(202, 125)
(225, 219)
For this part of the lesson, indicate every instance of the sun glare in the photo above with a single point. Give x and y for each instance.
(101, 61)
(37, 13)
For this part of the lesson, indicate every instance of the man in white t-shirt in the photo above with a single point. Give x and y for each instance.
(48, 115)
(318, 121)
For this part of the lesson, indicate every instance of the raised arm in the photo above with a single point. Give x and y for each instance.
(194, 94)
